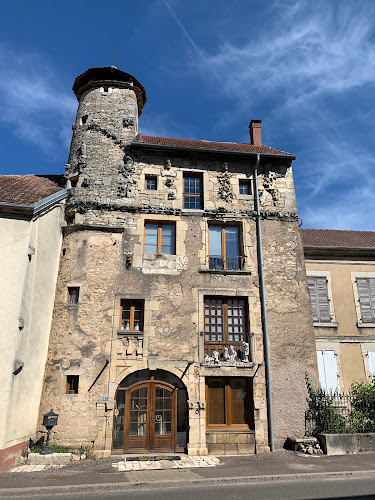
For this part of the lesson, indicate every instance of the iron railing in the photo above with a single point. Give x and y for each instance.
(227, 263)
(335, 413)
(239, 350)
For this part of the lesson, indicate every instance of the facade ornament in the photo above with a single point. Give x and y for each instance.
(246, 351)
(225, 189)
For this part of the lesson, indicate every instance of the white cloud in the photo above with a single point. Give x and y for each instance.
(32, 103)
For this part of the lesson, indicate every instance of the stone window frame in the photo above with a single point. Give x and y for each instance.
(367, 346)
(325, 274)
(242, 179)
(329, 345)
(353, 277)
(116, 332)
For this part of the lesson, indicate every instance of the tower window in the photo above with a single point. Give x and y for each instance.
(151, 182)
(72, 384)
(84, 119)
(73, 294)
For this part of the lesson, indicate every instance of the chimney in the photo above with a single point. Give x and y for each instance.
(255, 130)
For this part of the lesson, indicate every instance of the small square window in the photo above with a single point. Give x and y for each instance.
(151, 182)
(73, 294)
(245, 187)
(84, 119)
(131, 316)
(72, 384)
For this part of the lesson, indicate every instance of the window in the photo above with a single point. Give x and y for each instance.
(72, 384)
(245, 187)
(366, 296)
(193, 184)
(228, 402)
(225, 319)
(150, 182)
(131, 316)
(318, 289)
(224, 253)
(73, 294)
(84, 119)
(160, 238)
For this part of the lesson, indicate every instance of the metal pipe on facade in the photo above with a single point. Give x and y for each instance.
(264, 308)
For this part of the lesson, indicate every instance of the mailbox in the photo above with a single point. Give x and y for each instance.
(50, 419)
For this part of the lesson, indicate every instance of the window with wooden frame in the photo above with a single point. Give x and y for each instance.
(72, 382)
(229, 403)
(245, 186)
(151, 182)
(225, 324)
(160, 238)
(318, 289)
(193, 191)
(366, 297)
(224, 248)
(73, 294)
(131, 316)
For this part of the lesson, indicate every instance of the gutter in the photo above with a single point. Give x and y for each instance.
(264, 308)
(37, 208)
(164, 147)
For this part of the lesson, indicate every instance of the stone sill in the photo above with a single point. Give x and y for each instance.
(333, 324)
(365, 325)
(130, 334)
(224, 272)
(242, 431)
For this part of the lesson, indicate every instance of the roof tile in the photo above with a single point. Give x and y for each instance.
(338, 238)
(219, 146)
(25, 189)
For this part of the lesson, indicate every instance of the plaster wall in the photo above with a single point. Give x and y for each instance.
(32, 280)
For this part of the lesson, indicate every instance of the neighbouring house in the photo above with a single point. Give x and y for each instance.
(340, 267)
(31, 217)
(158, 332)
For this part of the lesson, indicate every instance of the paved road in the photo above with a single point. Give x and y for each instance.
(353, 488)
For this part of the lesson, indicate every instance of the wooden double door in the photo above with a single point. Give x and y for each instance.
(150, 417)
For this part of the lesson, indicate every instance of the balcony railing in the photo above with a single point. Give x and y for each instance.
(236, 351)
(227, 263)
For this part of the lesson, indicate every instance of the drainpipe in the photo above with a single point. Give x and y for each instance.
(264, 308)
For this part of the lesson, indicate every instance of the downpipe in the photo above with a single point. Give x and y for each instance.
(264, 308)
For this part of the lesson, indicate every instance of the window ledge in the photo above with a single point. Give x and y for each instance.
(245, 197)
(224, 271)
(365, 325)
(332, 324)
(121, 333)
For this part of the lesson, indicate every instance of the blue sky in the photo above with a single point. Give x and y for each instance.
(307, 69)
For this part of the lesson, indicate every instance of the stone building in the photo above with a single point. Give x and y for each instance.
(31, 218)
(157, 339)
(340, 268)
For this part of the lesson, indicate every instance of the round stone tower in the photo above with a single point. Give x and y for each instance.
(110, 103)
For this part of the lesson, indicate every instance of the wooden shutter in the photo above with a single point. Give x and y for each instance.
(371, 363)
(327, 368)
(366, 294)
(313, 297)
(318, 288)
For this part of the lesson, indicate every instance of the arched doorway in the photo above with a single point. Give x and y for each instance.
(150, 413)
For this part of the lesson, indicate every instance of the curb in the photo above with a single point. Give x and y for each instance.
(193, 482)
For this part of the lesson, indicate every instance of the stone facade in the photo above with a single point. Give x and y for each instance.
(104, 255)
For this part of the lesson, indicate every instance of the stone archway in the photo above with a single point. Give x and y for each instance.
(150, 413)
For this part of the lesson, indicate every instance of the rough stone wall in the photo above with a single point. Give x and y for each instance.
(291, 335)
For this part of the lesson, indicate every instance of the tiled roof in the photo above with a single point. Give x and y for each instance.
(25, 189)
(219, 146)
(337, 238)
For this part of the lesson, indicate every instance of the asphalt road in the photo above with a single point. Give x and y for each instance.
(339, 488)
